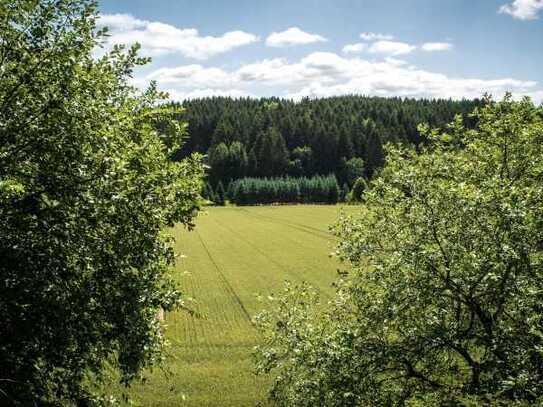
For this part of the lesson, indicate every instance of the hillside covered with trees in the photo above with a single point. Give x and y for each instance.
(271, 137)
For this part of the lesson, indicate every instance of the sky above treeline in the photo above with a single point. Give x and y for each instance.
(319, 48)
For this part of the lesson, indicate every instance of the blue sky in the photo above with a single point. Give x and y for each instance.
(415, 48)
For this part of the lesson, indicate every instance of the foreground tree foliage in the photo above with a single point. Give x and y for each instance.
(86, 188)
(443, 305)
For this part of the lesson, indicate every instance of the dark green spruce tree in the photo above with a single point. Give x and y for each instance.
(220, 194)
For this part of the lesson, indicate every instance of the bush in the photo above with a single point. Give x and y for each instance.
(443, 304)
(358, 190)
(87, 189)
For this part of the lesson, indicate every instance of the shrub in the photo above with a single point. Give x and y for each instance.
(87, 188)
(442, 305)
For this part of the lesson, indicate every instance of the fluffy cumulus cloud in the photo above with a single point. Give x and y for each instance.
(393, 48)
(369, 36)
(292, 36)
(157, 38)
(386, 45)
(277, 71)
(321, 74)
(354, 48)
(436, 46)
(191, 75)
(395, 78)
(523, 9)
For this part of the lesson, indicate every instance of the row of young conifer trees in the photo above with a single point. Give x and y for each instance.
(317, 189)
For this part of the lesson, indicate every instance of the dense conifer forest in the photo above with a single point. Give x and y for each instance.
(271, 137)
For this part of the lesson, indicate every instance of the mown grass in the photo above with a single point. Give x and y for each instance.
(234, 255)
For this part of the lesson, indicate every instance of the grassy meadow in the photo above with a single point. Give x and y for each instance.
(233, 255)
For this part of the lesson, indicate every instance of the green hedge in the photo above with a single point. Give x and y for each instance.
(318, 189)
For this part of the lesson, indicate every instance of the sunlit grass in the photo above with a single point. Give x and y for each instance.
(234, 255)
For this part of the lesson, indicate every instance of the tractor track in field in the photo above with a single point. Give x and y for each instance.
(298, 226)
(225, 281)
(262, 253)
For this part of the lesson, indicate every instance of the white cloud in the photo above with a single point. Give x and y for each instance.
(436, 46)
(390, 78)
(322, 74)
(190, 76)
(157, 38)
(369, 36)
(292, 36)
(523, 9)
(391, 48)
(395, 61)
(120, 22)
(271, 71)
(354, 48)
(394, 47)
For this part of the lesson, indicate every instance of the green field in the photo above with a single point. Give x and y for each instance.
(233, 255)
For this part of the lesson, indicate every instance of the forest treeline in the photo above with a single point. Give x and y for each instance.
(271, 137)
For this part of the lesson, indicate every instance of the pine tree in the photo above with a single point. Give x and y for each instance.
(252, 163)
(219, 194)
(303, 159)
(230, 191)
(237, 162)
(208, 192)
(218, 157)
(333, 190)
(345, 145)
(345, 192)
(224, 132)
(271, 153)
(375, 156)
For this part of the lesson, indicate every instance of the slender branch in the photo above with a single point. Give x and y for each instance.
(413, 373)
